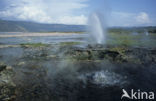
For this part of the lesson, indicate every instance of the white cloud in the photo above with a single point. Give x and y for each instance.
(46, 11)
(130, 19)
(143, 18)
(73, 20)
(67, 12)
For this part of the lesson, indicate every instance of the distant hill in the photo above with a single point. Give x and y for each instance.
(150, 29)
(23, 26)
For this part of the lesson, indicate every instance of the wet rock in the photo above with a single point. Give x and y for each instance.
(9, 68)
(21, 63)
(36, 53)
(31, 83)
(2, 67)
(7, 86)
(93, 54)
(96, 46)
(117, 54)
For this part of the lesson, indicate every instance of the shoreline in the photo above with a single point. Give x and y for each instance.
(31, 34)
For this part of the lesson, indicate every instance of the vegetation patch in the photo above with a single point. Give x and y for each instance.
(34, 45)
(69, 43)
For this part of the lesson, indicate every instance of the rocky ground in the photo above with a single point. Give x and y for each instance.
(62, 73)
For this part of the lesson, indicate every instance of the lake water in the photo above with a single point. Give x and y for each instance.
(50, 39)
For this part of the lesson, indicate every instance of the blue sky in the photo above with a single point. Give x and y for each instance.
(117, 12)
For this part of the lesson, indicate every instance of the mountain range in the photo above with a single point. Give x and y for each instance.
(25, 26)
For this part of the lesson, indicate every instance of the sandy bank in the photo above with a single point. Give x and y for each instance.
(33, 34)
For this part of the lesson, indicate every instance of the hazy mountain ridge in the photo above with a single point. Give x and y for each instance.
(23, 26)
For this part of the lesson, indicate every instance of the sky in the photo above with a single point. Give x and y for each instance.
(77, 12)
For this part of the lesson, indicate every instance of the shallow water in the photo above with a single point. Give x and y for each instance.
(43, 39)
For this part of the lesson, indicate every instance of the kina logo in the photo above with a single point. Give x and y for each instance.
(138, 94)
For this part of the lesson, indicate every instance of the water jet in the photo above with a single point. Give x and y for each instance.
(97, 28)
